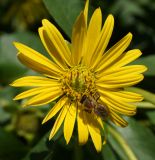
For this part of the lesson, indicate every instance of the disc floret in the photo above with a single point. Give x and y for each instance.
(78, 81)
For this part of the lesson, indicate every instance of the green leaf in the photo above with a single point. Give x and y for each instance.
(108, 153)
(10, 147)
(149, 63)
(42, 150)
(64, 12)
(138, 140)
(4, 116)
(10, 67)
(151, 116)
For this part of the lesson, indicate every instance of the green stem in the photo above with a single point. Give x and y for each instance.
(148, 96)
(123, 143)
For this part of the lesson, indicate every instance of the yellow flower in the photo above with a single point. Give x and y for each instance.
(78, 72)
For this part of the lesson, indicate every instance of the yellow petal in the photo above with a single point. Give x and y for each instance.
(93, 34)
(114, 52)
(119, 83)
(51, 49)
(94, 130)
(123, 71)
(59, 120)
(57, 41)
(55, 109)
(45, 97)
(78, 39)
(82, 126)
(31, 92)
(35, 60)
(103, 41)
(86, 11)
(116, 107)
(127, 58)
(69, 122)
(34, 81)
(128, 96)
(119, 121)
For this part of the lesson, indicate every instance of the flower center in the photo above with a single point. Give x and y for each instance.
(78, 81)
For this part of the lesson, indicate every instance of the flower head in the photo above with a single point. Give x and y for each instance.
(85, 78)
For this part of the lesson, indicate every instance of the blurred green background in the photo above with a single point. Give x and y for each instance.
(22, 137)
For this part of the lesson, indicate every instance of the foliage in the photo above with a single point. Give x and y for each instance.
(18, 139)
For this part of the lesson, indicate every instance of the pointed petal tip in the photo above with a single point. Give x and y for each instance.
(15, 43)
(67, 141)
(145, 68)
(129, 35)
(44, 121)
(49, 138)
(14, 99)
(11, 84)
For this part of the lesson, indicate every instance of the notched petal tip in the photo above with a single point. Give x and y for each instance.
(44, 21)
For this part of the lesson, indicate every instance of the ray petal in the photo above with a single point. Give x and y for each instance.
(93, 34)
(122, 71)
(114, 52)
(127, 57)
(119, 121)
(34, 81)
(35, 60)
(121, 82)
(78, 39)
(86, 11)
(128, 96)
(112, 100)
(116, 107)
(59, 120)
(45, 97)
(69, 122)
(57, 41)
(55, 109)
(94, 130)
(51, 48)
(82, 126)
(103, 41)
(31, 92)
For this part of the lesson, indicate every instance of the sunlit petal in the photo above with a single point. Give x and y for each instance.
(55, 109)
(59, 120)
(69, 122)
(82, 126)
(44, 97)
(103, 41)
(57, 41)
(78, 39)
(94, 130)
(34, 81)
